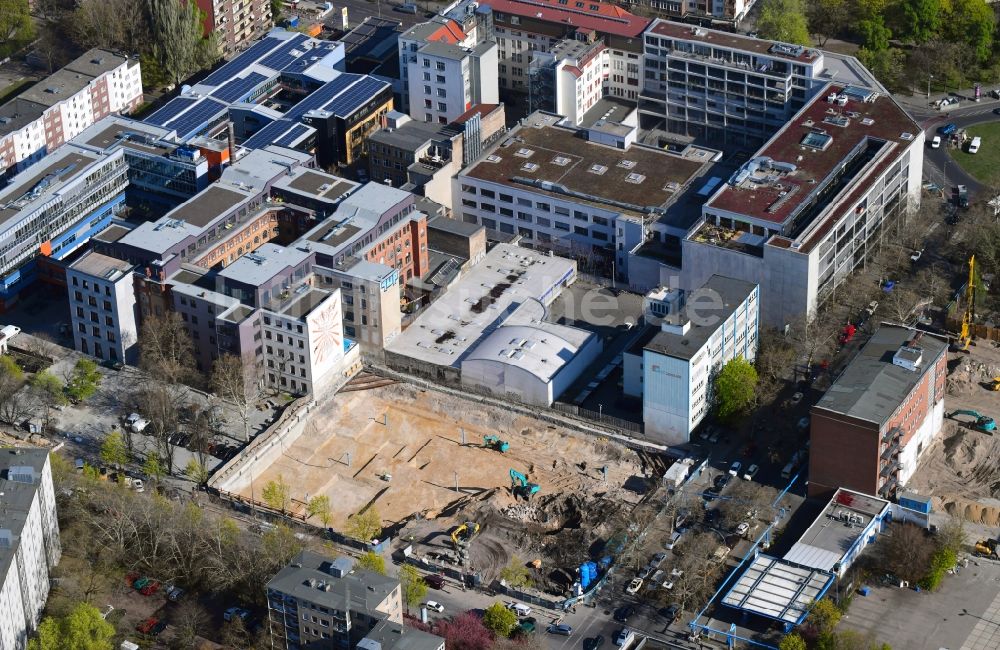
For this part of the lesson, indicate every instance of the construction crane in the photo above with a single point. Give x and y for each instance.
(462, 535)
(520, 486)
(965, 335)
(983, 422)
(494, 442)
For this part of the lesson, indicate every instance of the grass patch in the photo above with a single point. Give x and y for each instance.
(985, 165)
(15, 89)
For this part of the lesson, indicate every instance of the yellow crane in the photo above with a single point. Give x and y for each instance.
(965, 336)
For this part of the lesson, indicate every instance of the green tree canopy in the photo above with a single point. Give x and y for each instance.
(319, 506)
(783, 20)
(372, 561)
(153, 468)
(792, 642)
(499, 620)
(824, 616)
(971, 22)
(917, 21)
(178, 42)
(365, 525)
(735, 387)
(277, 494)
(8, 366)
(516, 574)
(84, 381)
(113, 450)
(875, 34)
(827, 18)
(81, 629)
(16, 27)
(412, 585)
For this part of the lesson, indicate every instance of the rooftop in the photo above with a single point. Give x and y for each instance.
(439, 29)
(454, 226)
(668, 28)
(825, 148)
(368, 39)
(112, 131)
(40, 181)
(95, 62)
(558, 161)
(208, 205)
(585, 15)
(311, 182)
(255, 269)
(480, 301)
(101, 266)
(836, 530)
(872, 387)
(479, 109)
(310, 578)
(387, 635)
(454, 52)
(303, 305)
(705, 310)
(411, 135)
(74, 77)
(17, 493)
(608, 109)
(778, 589)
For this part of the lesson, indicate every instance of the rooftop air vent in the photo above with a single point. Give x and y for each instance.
(524, 152)
(634, 178)
(493, 158)
(562, 161)
(906, 135)
(529, 167)
(597, 169)
(626, 164)
(868, 121)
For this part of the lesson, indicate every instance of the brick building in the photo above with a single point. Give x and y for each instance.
(869, 429)
(236, 23)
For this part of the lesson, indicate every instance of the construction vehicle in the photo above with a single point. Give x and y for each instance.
(987, 548)
(520, 486)
(965, 335)
(494, 442)
(462, 535)
(982, 423)
(995, 386)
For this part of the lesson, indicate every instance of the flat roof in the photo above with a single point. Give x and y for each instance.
(541, 152)
(112, 233)
(101, 266)
(706, 315)
(112, 131)
(829, 539)
(387, 635)
(540, 348)
(320, 184)
(304, 304)
(480, 301)
(454, 52)
(585, 15)
(778, 589)
(454, 226)
(42, 179)
(872, 387)
(367, 38)
(307, 577)
(266, 262)
(811, 149)
(95, 62)
(668, 28)
(412, 135)
(608, 109)
(208, 205)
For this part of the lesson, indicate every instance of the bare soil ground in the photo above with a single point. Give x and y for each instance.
(416, 436)
(961, 470)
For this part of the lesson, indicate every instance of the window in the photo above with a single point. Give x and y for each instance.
(440, 65)
(442, 107)
(427, 76)
(441, 92)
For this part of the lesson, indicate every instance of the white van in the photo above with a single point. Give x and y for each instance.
(974, 145)
(520, 609)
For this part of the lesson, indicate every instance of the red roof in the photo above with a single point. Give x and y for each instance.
(583, 14)
(450, 32)
(481, 109)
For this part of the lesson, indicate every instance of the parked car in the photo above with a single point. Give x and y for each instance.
(561, 629)
(435, 606)
(742, 529)
(872, 306)
(935, 142)
(734, 469)
(634, 586)
(721, 481)
(145, 627)
(434, 581)
(150, 588)
(623, 613)
(657, 559)
(714, 437)
(796, 398)
(673, 540)
(137, 485)
(670, 613)
(236, 612)
(645, 572)
(751, 472)
(593, 643)
(519, 608)
(159, 627)
(624, 636)
(526, 626)
(916, 255)
(136, 423)
(174, 594)
(947, 129)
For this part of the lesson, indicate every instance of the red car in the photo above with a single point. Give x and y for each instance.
(847, 334)
(150, 589)
(146, 626)
(130, 578)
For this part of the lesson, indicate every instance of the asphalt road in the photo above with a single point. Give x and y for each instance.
(358, 10)
(939, 167)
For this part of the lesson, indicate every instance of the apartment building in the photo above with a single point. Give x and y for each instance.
(569, 79)
(587, 193)
(811, 205)
(322, 603)
(696, 12)
(102, 307)
(524, 27)
(447, 80)
(56, 109)
(370, 301)
(868, 431)
(672, 367)
(418, 156)
(236, 23)
(29, 542)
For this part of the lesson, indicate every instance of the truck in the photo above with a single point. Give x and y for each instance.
(962, 196)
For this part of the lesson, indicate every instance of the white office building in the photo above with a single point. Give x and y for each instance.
(102, 307)
(29, 542)
(569, 79)
(446, 80)
(672, 367)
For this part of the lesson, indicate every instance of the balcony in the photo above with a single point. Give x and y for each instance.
(895, 432)
(888, 489)
(891, 451)
(891, 468)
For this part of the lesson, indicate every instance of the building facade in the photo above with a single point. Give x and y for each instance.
(569, 79)
(672, 367)
(236, 23)
(869, 430)
(102, 307)
(29, 542)
(447, 80)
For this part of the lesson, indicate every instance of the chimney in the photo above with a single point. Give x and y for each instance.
(232, 140)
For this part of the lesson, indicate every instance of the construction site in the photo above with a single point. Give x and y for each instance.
(433, 464)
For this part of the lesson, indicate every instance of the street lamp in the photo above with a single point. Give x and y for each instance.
(929, 77)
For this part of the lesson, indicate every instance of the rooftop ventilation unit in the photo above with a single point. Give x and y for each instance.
(524, 152)
(597, 169)
(562, 161)
(627, 164)
(493, 158)
(529, 167)
(906, 135)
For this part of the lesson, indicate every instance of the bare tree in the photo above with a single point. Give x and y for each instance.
(166, 351)
(114, 24)
(16, 403)
(694, 574)
(160, 403)
(905, 552)
(748, 500)
(901, 305)
(237, 379)
(775, 359)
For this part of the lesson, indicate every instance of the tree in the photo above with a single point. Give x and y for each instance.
(82, 629)
(905, 552)
(748, 500)
(901, 305)
(153, 468)
(372, 561)
(886, 64)
(917, 21)
(516, 574)
(823, 616)
(165, 348)
(15, 404)
(118, 25)
(942, 561)
(827, 18)
(178, 42)
(411, 585)
(735, 388)
(464, 632)
(952, 535)
(783, 20)
(16, 27)
(792, 642)
(499, 620)
(237, 379)
(161, 404)
(83, 381)
(972, 22)
(774, 362)
(49, 392)
(365, 525)
(277, 494)
(113, 450)
(874, 33)
(196, 471)
(319, 506)
(189, 617)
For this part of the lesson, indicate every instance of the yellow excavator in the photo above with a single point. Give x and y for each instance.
(462, 535)
(995, 386)
(965, 336)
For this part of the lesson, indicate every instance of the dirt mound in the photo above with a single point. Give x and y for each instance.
(558, 511)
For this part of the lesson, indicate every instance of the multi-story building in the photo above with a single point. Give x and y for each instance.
(698, 12)
(524, 27)
(568, 80)
(446, 80)
(672, 367)
(587, 193)
(870, 428)
(58, 108)
(235, 23)
(812, 204)
(29, 542)
(321, 603)
(102, 307)
(415, 155)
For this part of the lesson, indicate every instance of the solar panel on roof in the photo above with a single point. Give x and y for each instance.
(296, 132)
(238, 89)
(172, 109)
(283, 55)
(267, 135)
(191, 121)
(322, 95)
(242, 62)
(355, 96)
